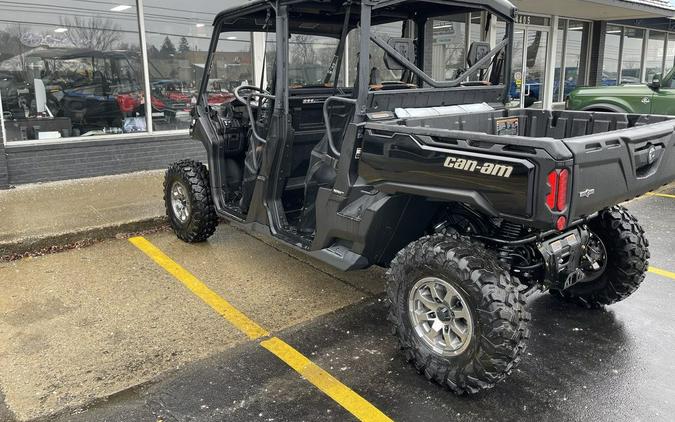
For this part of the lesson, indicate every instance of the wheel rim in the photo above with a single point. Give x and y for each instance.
(440, 316)
(179, 202)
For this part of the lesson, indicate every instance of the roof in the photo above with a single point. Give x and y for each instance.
(602, 10)
(327, 16)
(664, 6)
(658, 3)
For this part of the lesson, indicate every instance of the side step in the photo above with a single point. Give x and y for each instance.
(341, 258)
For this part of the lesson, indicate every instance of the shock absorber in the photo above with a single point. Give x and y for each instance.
(508, 231)
(522, 259)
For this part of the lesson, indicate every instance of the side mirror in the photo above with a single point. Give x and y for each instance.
(405, 47)
(655, 84)
(477, 51)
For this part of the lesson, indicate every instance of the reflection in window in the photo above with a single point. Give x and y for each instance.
(310, 59)
(448, 47)
(610, 63)
(632, 55)
(574, 75)
(69, 73)
(654, 58)
(178, 44)
(379, 72)
(670, 54)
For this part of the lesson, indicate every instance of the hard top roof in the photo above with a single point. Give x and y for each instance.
(327, 16)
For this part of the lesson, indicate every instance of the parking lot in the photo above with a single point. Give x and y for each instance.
(241, 328)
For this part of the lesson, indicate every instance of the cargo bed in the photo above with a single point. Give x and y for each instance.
(499, 161)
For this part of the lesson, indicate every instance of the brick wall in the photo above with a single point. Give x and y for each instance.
(71, 160)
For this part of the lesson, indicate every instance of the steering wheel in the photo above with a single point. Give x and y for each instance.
(244, 99)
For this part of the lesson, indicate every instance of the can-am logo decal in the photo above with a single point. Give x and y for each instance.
(492, 169)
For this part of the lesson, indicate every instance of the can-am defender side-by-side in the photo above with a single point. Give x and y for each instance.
(468, 204)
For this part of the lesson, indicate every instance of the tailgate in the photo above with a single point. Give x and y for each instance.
(616, 166)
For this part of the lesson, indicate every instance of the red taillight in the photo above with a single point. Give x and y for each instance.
(563, 179)
(553, 184)
(556, 199)
(561, 223)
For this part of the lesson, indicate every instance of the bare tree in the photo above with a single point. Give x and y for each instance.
(95, 33)
(302, 51)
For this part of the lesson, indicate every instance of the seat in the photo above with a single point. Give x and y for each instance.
(322, 173)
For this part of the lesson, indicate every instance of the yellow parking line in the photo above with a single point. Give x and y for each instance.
(343, 395)
(329, 385)
(662, 195)
(220, 305)
(662, 273)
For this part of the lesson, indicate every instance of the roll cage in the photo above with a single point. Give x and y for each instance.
(331, 18)
(270, 156)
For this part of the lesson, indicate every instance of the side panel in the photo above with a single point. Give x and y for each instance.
(402, 163)
(613, 167)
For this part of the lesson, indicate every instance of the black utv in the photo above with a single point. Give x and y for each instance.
(469, 205)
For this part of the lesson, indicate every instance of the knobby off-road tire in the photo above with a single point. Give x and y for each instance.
(496, 307)
(627, 261)
(187, 188)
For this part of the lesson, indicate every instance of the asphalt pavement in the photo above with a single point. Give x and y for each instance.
(116, 332)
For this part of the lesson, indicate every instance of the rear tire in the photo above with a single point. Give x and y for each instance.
(497, 316)
(627, 261)
(188, 201)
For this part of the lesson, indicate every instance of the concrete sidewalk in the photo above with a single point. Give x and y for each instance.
(47, 215)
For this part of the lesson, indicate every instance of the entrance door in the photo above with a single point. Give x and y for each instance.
(529, 65)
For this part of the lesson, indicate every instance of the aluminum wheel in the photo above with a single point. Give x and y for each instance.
(440, 316)
(180, 202)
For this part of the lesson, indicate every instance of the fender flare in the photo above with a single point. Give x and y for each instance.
(609, 107)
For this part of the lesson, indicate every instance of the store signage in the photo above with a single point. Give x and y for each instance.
(533, 20)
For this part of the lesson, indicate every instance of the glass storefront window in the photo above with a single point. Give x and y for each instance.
(69, 70)
(560, 51)
(610, 62)
(654, 58)
(576, 49)
(178, 44)
(670, 53)
(631, 69)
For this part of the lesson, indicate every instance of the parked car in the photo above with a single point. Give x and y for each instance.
(656, 97)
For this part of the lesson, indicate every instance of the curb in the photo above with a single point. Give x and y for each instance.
(17, 248)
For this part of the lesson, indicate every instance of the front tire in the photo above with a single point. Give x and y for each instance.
(477, 311)
(188, 201)
(627, 251)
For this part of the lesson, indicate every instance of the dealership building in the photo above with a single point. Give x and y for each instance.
(76, 75)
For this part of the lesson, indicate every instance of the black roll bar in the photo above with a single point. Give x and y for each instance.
(426, 78)
(326, 119)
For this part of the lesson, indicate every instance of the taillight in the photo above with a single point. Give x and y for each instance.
(553, 184)
(558, 182)
(563, 180)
